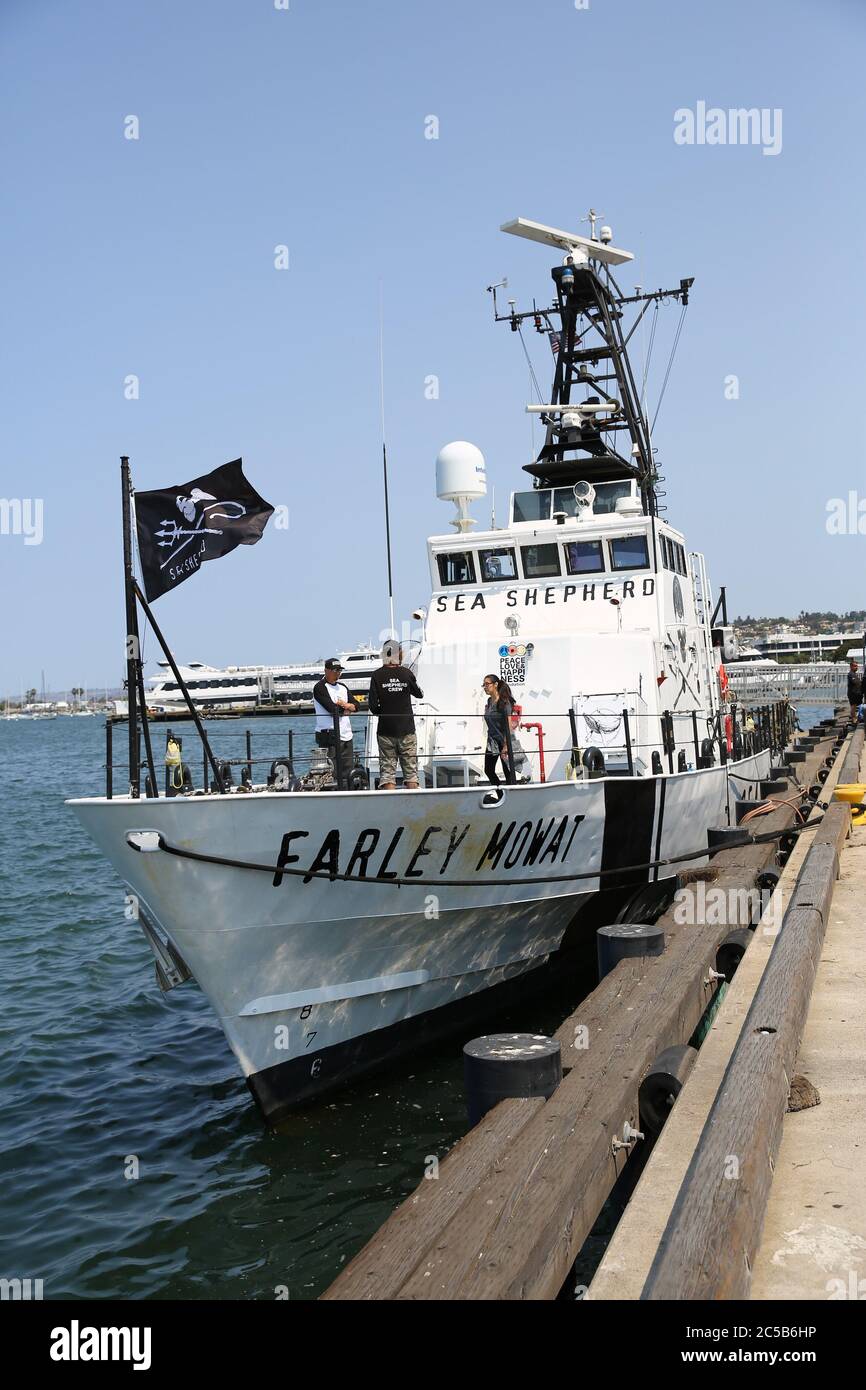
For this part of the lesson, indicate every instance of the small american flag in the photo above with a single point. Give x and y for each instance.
(554, 342)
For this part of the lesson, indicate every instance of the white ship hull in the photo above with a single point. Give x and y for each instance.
(315, 979)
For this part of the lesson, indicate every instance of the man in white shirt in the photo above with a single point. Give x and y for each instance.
(331, 697)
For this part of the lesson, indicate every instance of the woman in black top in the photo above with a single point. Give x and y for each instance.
(499, 709)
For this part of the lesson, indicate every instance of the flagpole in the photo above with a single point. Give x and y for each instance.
(385, 460)
(148, 613)
(132, 640)
(134, 649)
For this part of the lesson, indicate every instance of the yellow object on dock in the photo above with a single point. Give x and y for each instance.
(855, 794)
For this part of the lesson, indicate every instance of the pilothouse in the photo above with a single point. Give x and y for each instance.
(332, 928)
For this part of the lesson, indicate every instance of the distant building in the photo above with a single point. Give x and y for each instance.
(812, 646)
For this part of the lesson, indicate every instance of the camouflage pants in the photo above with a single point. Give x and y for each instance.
(391, 748)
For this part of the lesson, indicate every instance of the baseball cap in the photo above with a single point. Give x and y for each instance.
(332, 664)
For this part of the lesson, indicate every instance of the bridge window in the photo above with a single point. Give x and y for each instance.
(456, 567)
(564, 501)
(497, 564)
(540, 561)
(584, 557)
(532, 506)
(629, 553)
(608, 494)
(674, 556)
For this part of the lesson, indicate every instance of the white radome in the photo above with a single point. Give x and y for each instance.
(460, 472)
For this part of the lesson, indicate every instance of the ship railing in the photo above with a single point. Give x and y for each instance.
(670, 741)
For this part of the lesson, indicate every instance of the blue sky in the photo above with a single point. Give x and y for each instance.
(306, 127)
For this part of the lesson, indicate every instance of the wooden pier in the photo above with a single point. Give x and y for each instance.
(516, 1198)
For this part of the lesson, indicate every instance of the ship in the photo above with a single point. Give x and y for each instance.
(237, 689)
(332, 925)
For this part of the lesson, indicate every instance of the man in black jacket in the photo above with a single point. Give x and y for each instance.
(391, 691)
(855, 689)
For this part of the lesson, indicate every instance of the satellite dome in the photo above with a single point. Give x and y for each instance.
(460, 478)
(460, 472)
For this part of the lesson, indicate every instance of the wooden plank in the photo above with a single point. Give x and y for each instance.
(384, 1264)
(514, 1221)
(851, 764)
(520, 1231)
(627, 1260)
(714, 1230)
(564, 1166)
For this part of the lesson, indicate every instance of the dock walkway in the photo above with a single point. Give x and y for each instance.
(813, 1241)
(518, 1195)
(814, 1238)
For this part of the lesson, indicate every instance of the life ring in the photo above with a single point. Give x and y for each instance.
(729, 732)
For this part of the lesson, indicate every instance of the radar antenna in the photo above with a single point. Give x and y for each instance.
(594, 397)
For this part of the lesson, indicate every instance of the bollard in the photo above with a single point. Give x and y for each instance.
(742, 808)
(773, 787)
(507, 1065)
(626, 940)
(726, 837)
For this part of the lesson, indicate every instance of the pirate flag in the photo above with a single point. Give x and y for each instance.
(181, 527)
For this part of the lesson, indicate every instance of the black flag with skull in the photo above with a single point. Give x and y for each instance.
(181, 527)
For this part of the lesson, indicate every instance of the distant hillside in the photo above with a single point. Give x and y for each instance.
(804, 622)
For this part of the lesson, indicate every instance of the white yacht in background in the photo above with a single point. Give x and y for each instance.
(329, 928)
(242, 687)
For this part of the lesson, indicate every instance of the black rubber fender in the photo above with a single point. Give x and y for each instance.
(662, 1084)
(731, 952)
(767, 880)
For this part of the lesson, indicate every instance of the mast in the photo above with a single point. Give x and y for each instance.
(596, 428)
(133, 645)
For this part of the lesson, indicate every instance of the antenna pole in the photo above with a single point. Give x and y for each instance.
(385, 462)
